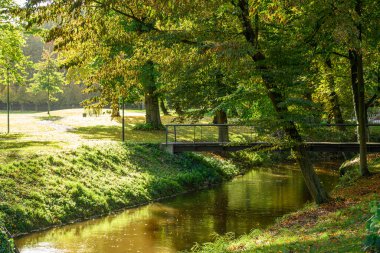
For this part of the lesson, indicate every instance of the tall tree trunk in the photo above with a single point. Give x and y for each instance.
(221, 118)
(333, 97)
(115, 108)
(48, 101)
(354, 84)
(357, 74)
(362, 119)
(152, 107)
(163, 107)
(311, 179)
(115, 111)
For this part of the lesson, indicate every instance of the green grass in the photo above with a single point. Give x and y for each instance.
(63, 187)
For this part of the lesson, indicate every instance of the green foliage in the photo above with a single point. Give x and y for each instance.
(12, 60)
(6, 244)
(372, 241)
(48, 78)
(350, 174)
(146, 127)
(47, 190)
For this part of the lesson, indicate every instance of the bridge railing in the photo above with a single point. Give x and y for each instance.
(196, 133)
(210, 133)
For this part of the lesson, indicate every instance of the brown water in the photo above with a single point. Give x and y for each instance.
(251, 201)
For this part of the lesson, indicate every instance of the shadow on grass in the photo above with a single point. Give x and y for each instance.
(50, 118)
(114, 133)
(25, 144)
(11, 136)
(19, 150)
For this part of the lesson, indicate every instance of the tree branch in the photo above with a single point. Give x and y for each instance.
(341, 55)
(131, 16)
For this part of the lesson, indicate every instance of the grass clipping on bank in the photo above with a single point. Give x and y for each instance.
(68, 186)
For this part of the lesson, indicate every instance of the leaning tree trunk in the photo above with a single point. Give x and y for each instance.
(178, 110)
(311, 179)
(163, 107)
(221, 118)
(333, 99)
(251, 35)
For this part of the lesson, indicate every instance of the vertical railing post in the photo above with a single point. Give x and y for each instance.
(201, 134)
(175, 133)
(167, 133)
(194, 135)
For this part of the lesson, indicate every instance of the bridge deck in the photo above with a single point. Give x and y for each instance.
(178, 147)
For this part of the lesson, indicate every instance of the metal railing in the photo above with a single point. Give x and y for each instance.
(208, 132)
(196, 133)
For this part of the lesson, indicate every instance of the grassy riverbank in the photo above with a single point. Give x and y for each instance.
(339, 226)
(63, 187)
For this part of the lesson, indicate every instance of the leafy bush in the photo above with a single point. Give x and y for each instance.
(349, 174)
(372, 241)
(6, 244)
(146, 127)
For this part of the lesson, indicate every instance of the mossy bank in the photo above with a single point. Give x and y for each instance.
(55, 189)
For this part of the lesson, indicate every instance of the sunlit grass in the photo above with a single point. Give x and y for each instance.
(36, 132)
(65, 186)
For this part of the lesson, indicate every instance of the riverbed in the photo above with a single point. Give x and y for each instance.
(248, 202)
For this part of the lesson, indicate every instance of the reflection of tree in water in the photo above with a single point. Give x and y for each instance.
(221, 211)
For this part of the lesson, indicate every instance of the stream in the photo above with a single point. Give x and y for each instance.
(251, 201)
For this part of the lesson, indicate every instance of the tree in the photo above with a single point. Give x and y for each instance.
(347, 29)
(12, 59)
(148, 79)
(48, 78)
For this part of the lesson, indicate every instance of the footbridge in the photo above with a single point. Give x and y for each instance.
(230, 138)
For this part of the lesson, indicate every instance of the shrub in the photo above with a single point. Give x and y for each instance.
(6, 244)
(349, 174)
(372, 241)
(147, 127)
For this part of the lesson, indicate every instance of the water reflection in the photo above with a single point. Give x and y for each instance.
(251, 201)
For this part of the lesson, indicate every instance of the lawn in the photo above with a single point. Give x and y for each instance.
(36, 133)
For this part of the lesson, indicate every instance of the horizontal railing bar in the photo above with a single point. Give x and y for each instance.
(348, 125)
(210, 125)
(192, 125)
